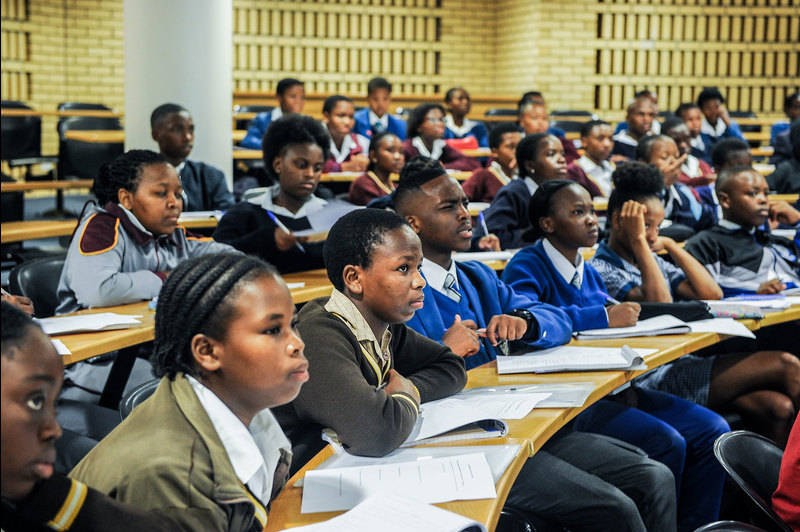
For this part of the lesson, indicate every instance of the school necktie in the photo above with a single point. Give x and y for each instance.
(576, 281)
(452, 293)
(377, 127)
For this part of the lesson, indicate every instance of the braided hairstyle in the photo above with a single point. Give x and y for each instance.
(15, 326)
(634, 181)
(198, 298)
(123, 172)
(541, 205)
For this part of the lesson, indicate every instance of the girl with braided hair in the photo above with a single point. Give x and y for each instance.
(205, 450)
(126, 245)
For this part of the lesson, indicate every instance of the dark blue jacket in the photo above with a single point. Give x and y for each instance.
(532, 274)
(397, 126)
(489, 296)
(507, 216)
(478, 131)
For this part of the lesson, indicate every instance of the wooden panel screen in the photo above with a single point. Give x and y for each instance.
(15, 47)
(337, 46)
(750, 49)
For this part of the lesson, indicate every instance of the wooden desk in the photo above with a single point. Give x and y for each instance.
(98, 113)
(116, 136)
(762, 151)
(239, 134)
(246, 155)
(33, 229)
(28, 186)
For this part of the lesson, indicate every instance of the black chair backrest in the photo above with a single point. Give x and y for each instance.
(80, 159)
(501, 112)
(21, 136)
(567, 126)
(729, 526)
(136, 397)
(570, 112)
(38, 280)
(82, 106)
(754, 463)
(243, 123)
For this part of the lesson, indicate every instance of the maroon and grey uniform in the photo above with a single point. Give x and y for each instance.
(114, 260)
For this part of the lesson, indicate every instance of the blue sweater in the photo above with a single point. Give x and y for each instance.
(478, 131)
(488, 296)
(397, 126)
(533, 274)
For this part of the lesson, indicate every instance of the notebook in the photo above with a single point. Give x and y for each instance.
(656, 326)
(574, 358)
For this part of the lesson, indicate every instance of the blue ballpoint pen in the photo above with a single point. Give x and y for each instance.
(482, 221)
(285, 229)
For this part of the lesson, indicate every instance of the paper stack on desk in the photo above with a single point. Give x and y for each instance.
(656, 326)
(106, 321)
(574, 358)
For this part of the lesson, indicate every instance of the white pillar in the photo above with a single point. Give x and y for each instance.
(180, 52)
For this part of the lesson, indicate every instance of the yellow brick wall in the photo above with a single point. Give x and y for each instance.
(67, 50)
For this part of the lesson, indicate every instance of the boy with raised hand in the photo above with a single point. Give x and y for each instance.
(204, 186)
(34, 497)
(591, 483)
(376, 118)
(742, 258)
(368, 371)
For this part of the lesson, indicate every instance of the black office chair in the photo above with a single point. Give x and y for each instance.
(83, 106)
(82, 160)
(747, 128)
(38, 280)
(729, 526)
(243, 123)
(753, 462)
(21, 141)
(571, 112)
(137, 396)
(567, 126)
(496, 111)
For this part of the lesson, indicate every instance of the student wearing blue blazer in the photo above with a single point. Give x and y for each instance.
(674, 431)
(457, 125)
(376, 118)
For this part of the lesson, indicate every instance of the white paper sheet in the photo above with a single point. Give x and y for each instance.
(200, 215)
(295, 285)
(105, 321)
(464, 477)
(323, 219)
(562, 394)
(484, 255)
(649, 327)
(505, 406)
(61, 349)
(722, 326)
(444, 415)
(570, 358)
(767, 303)
(401, 514)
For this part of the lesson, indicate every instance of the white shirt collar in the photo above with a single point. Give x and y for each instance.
(180, 167)
(276, 113)
(135, 221)
(691, 166)
(625, 138)
(383, 121)
(435, 153)
(671, 198)
(312, 205)
(435, 274)
(564, 268)
(600, 174)
(733, 226)
(497, 166)
(348, 144)
(698, 143)
(459, 130)
(531, 184)
(714, 131)
(249, 449)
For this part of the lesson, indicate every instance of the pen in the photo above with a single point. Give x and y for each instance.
(284, 229)
(381, 386)
(482, 221)
(610, 300)
(4, 292)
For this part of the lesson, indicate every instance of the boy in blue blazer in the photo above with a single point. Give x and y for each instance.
(376, 118)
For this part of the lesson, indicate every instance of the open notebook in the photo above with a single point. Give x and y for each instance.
(656, 326)
(574, 358)
(106, 321)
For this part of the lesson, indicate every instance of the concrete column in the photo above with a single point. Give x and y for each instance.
(180, 52)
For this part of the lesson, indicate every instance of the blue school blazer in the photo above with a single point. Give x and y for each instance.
(397, 126)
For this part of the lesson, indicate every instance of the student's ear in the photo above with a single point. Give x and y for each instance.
(527, 166)
(493, 152)
(277, 165)
(125, 198)
(615, 220)
(351, 275)
(546, 225)
(724, 199)
(413, 221)
(326, 118)
(206, 352)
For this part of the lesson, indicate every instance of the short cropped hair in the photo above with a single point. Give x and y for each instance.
(707, 94)
(330, 102)
(417, 117)
(198, 298)
(682, 108)
(634, 181)
(124, 172)
(451, 92)
(354, 237)
(727, 176)
(671, 123)
(162, 111)
(378, 83)
(645, 147)
(15, 326)
(285, 84)
(496, 135)
(289, 130)
(725, 148)
(416, 172)
(586, 129)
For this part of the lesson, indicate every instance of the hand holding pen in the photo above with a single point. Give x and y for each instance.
(622, 314)
(488, 242)
(284, 239)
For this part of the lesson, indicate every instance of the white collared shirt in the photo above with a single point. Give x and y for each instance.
(563, 266)
(383, 121)
(698, 143)
(497, 166)
(733, 226)
(716, 130)
(599, 174)
(275, 114)
(672, 198)
(462, 130)
(625, 138)
(531, 184)
(435, 153)
(348, 145)
(691, 166)
(254, 451)
(313, 204)
(435, 274)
